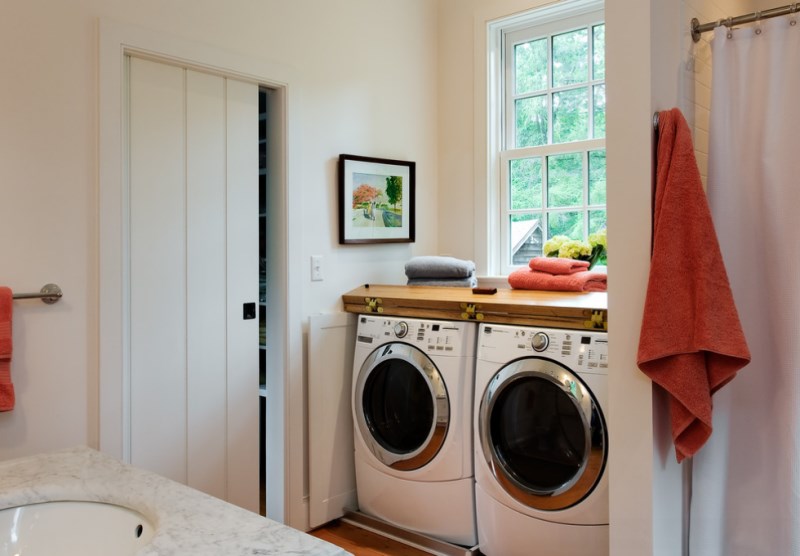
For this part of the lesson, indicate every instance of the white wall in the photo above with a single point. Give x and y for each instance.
(369, 88)
(456, 81)
(633, 475)
(633, 466)
(646, 486)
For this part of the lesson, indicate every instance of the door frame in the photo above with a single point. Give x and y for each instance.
(285, 461)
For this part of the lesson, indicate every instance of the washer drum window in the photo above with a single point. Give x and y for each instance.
(402, 407)
(542, 434)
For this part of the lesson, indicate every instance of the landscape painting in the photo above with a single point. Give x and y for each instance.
(376, 200)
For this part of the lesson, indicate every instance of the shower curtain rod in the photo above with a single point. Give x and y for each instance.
(698, 29)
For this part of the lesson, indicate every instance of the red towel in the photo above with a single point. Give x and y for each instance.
(585, 281)
(557, 265)
(6, 387)
(691, 341)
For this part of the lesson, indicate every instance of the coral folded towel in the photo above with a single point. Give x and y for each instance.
(557, 265)
(585, 281)
(691, 341)
(6, 387)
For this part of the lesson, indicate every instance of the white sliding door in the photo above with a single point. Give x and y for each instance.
(193, 229)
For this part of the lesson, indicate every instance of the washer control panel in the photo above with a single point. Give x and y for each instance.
(431, 336)
(583, 350)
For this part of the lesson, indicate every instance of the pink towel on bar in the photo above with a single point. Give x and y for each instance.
(691, 341)
(585, 281)
(558, 265)
(6, 386)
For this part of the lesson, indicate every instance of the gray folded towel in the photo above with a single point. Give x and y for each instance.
(439, 267)
(470, 282)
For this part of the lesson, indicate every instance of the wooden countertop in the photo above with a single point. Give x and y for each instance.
(578, 310)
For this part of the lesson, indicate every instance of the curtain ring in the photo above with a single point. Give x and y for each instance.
(727, 23)
(757, 15)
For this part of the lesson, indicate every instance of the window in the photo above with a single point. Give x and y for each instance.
(550, 113)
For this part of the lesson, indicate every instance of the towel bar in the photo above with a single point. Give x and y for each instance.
(50, 293)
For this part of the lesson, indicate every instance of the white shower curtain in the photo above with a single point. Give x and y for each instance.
(746, 480)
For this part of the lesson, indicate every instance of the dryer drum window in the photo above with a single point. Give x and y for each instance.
(403, 410)
(542, 434)
(398, 406)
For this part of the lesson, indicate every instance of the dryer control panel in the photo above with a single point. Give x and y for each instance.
(581, 350)
(431, 336)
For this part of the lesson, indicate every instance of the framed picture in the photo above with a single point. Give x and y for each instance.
(376, 200)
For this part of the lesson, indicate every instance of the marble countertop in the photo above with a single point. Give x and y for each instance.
(187, 521)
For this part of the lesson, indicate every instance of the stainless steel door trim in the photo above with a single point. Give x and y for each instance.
(593, 464)
(439, 397)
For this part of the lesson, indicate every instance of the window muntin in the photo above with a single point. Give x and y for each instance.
(552, 157)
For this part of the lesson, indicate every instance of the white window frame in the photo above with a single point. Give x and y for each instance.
(502, 35)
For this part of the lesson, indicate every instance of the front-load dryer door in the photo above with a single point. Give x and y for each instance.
(401, 406)
(542, 434)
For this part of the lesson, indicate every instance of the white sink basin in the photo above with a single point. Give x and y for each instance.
(72, 528)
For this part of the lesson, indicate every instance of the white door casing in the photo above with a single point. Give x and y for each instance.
(285, 454)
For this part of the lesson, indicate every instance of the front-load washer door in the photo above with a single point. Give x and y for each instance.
(401, 406)
(542, 433)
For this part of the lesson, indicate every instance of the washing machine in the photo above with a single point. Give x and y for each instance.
(412, 401)
(541, 442)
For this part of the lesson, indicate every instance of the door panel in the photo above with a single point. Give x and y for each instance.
(158, 271)
(242, 226)
(194, 244)
(206, 269)
(332, 474)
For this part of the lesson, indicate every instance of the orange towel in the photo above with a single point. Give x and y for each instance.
(6, 387)
(585, 281)
(557, 265)
(691, 341)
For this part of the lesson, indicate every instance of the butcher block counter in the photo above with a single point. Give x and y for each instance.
(575, 310)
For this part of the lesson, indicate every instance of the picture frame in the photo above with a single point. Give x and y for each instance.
(376, 200)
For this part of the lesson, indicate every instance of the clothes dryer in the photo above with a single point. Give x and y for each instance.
(412, 411)
(541, 442)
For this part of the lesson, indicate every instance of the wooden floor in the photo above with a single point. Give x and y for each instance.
(361, 542)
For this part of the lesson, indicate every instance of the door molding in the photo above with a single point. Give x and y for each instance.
(285, 461)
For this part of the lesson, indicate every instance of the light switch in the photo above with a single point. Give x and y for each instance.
(316, 268)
